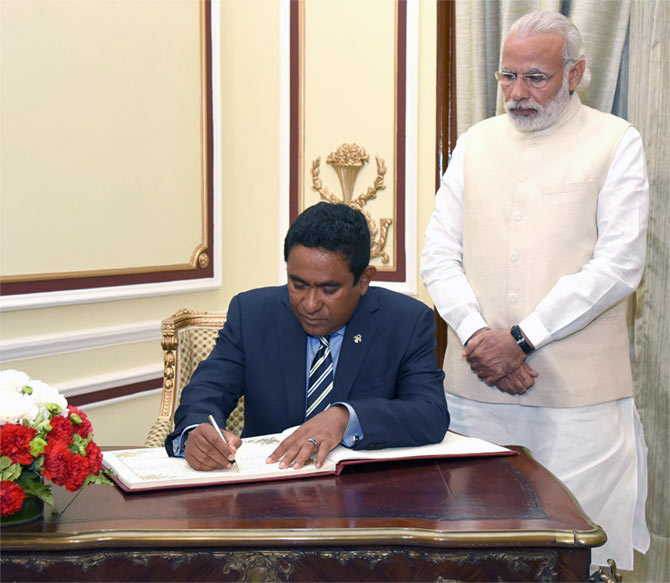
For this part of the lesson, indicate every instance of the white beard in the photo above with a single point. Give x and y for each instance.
(546, 114)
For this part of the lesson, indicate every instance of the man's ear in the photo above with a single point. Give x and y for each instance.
(576, 73)
(366, 277)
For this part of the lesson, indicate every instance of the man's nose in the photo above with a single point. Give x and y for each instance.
(519, 89)
(312, 302)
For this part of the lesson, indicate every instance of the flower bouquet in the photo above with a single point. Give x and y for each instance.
(41, 437)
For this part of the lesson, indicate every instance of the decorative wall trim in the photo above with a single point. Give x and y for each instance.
(88, 339)
(291, 41)
(202, 270)
(284, 146)
(115, 387)
(90, 401)
(115, 380)
(445, 118)
(411, 149)
(108, 294)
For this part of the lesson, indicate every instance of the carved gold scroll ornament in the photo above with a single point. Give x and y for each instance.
(347, 161)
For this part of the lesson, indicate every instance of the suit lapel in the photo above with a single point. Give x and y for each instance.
(292, 350)
(358, 338)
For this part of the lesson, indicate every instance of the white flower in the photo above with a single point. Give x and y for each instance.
(17, 405)
(12, 380)
(44, 394)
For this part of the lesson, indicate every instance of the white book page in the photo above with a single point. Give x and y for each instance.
(453, 444)
(152, 465)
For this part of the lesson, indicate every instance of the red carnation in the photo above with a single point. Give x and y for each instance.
(77, 472)
(61, 429)
(84, 428)
(94, 456)
(11, 497)
(56, 462)
(15, 443)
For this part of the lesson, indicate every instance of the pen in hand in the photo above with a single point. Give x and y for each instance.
(214, 424)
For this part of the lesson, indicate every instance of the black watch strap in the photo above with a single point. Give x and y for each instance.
(520, 339)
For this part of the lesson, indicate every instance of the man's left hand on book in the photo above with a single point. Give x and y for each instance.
(321, 434)
(205, 450)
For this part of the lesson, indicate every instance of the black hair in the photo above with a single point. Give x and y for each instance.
(333, 227)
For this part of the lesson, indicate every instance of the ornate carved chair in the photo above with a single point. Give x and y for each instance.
(188, 338)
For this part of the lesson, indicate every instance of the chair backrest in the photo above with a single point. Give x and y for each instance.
(188, 338)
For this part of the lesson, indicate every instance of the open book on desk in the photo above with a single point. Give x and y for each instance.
(150, 468)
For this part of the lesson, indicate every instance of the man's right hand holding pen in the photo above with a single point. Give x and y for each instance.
(205, 450)
(209, 448)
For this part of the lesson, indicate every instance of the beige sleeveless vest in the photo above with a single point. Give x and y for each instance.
(529, 217)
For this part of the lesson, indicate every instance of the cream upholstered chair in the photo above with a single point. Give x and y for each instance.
(188, 338)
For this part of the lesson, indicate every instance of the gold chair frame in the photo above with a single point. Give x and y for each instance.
(188, 338)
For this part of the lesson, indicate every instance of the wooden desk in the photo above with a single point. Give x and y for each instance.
(487, 519)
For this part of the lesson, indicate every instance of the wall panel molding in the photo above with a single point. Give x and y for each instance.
(113, 387)
(88, 406)
(113, 380)
(398, 149)
(192, 261)
(42, 345)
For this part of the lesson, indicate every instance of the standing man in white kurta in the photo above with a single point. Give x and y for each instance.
(537, 238)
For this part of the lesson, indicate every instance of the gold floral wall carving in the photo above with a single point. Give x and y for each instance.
(347, 162)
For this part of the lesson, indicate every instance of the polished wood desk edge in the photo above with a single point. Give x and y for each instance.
(306, 537)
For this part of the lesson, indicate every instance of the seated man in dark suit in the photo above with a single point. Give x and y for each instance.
(348, 363)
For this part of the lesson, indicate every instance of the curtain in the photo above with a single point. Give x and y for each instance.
(649, 112)
(626, 49)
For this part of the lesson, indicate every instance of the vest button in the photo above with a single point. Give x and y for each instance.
(517, 216)
(513, 256)
(512, 297)
(523, 177)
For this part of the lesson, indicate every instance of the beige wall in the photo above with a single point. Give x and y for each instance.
(250, 213)
(91, 138)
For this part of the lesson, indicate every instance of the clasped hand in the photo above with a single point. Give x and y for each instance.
(205, 450)
(495, 357)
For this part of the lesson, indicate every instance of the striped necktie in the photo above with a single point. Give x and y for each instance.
(320, 379)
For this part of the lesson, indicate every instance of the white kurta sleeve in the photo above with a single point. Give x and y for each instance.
(616, 266)
(442, 255)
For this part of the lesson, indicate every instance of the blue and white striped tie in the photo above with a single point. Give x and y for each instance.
(320, 379)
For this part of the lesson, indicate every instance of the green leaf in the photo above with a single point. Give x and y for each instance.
(34, 486)
(43, 426)
(5, 462)
(76, 420)
(100, 479)
(36, 466)
(10, 471)
(27, 389)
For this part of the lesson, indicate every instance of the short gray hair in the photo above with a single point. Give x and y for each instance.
(535, 23)
(544, 21)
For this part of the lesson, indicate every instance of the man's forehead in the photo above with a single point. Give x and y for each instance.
(532, 51)
(317, 267)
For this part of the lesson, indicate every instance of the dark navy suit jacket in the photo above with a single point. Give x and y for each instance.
(389, 375)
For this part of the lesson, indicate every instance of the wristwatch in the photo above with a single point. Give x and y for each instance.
(520, 339)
